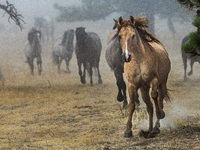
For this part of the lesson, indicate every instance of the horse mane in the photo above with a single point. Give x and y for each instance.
(140, 23)
(64, 38)
(31, 34)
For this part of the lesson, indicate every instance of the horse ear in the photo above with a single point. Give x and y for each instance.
(115, 25)
(132, 19)
(120, 20)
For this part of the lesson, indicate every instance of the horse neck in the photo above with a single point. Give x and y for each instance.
(80, 41)
(137, 45)
(69, 43)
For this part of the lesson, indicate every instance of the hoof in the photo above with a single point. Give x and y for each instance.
(100, 81)
(143, 134)
(125, 105)
(190, 73)
(83, 81)
(120, 97)
(128, 133)
(160, 115)
(146, 134)
(155, 131)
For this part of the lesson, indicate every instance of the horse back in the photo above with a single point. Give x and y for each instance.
(113, 55)
(95, 41)
(162, 61)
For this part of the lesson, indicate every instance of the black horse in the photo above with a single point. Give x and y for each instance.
(114, 59)
(186, 56)
(88, 51)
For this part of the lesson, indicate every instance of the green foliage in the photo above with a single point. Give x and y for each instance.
(196, 22)
(193, 45)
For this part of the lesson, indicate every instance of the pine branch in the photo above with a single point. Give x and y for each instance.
(12, 11)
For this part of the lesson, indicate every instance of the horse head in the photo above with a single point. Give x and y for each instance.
(34, 36)
(126, 35)
(80, 36)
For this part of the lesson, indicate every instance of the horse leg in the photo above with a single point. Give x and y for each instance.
(99, 76)
(67, 64)
(90, 72)
(83, 81)
(131, 108)
(146, 99)
(121, 87)
(162, 92)
(30, 62)
(184, 57)
(191, 66)
(154, 94)
(39, 64)
(80, 73)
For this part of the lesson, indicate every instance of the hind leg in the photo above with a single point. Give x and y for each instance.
(191, 66)
(67, 65)
(154, 94)
(99, 76)
(184, 57)
(162, 92)
(146, 99)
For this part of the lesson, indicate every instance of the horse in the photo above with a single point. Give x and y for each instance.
(46, 26)
(186, 56)
(114, 60)
(147, 65)
(63, 49)
(32, 49)
(88, 51)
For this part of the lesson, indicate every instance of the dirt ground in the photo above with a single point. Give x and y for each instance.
(55, 111)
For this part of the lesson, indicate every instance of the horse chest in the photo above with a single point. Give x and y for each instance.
(139, 73)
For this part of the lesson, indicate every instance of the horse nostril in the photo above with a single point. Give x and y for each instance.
(129, 57)
(126, 58)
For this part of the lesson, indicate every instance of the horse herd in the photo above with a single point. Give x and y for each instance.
(131, 50)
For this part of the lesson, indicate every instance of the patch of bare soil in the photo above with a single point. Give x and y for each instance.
(55, 111)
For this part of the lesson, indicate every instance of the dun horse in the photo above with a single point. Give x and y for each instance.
(33, 49)
(147, 65)
(63, 49)
(88, 51)
(186, 56)
(114, 59)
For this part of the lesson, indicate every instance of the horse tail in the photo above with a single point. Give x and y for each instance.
(167, 96)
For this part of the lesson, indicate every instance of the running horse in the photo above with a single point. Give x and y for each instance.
(147, 65)
(88, 52)
(63, 49)
(186, 56)
(33, 49)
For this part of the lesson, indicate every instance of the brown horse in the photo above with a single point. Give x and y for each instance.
(147, 66)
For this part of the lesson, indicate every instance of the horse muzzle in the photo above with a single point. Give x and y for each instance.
(126, 57)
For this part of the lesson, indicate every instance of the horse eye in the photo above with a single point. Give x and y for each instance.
(120, 37)
(133, 36)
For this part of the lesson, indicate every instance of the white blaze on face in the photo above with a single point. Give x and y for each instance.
(38, 36)
(126, 51)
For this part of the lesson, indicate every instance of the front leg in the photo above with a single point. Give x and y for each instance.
(131, 108)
